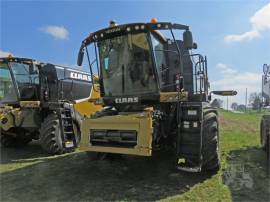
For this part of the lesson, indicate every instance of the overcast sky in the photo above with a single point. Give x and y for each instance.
(235, 35)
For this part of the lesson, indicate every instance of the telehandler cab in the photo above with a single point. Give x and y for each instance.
(36, 102)
(155, 95)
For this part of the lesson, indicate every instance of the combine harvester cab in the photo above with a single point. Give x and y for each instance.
(155, 95)
(37, 103)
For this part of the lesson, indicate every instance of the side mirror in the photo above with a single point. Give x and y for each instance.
(225, 92)
(195, 46)
(188, 40)
(80, 57)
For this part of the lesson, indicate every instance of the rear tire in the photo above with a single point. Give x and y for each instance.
(51, 135)
(210, 145)
(18, 140)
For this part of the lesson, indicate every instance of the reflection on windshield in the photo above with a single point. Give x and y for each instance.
(7, 89)
(159, 55)
(26, 76)
(126, 65)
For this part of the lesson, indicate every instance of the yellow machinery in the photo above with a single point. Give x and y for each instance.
(43, 101)
(120, 128)
(87, 107)
(155, 94)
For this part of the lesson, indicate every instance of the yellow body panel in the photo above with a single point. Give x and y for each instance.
(30, 104)
(86, 107)
(10, 117)
(173, 96)
(140, 122)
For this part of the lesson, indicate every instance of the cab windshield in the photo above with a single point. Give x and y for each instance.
(7, 88)
(26, 76)
(126, 65)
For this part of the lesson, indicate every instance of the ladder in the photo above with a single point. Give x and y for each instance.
(67, 129)
(189, 157)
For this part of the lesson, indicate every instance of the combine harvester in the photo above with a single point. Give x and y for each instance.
(36, 103)
(155, 95)
(265, 122)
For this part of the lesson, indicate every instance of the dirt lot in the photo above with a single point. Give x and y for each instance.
(27, 174)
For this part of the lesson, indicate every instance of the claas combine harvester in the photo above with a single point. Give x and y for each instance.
(154, 91)
(43, 101)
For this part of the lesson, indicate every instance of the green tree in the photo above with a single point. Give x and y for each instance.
(255, 99)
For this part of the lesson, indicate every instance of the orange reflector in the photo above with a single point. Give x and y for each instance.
(153, 20)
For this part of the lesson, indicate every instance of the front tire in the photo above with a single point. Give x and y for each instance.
(51, 135)
(210, 145)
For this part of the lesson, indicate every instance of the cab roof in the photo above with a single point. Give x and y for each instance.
(130, 28)
(30, 61)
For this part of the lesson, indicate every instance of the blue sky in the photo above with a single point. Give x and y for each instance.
(235, 35)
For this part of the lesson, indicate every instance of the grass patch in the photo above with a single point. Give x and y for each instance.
(73, 177)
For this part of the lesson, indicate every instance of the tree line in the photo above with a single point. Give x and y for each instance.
(255, 102)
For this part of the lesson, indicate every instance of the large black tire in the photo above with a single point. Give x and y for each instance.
(210, 145)
(18, 140)
(51, 135)
(265, 135)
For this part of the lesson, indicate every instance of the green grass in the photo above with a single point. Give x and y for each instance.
(239, 131)
(73, 177)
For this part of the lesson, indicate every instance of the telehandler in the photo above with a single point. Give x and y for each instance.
(155, 94)
(36, 102)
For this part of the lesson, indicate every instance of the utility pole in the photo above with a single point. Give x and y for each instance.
(246, 101)
(227, 103)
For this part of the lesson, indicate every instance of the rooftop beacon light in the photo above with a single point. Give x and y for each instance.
(154, 20)
(112, 23)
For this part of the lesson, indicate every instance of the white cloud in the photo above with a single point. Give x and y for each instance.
(58, 32)
(261, 19)
(225, 70)
(239, 81)
(260, 22)
(4, 54)
(247, 36)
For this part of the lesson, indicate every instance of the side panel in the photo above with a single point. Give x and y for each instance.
(18, 117)
(86, 107)
(139, 122)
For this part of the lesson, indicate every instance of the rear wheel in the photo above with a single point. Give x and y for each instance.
(17, 140)
(50, 135)
(210, 145)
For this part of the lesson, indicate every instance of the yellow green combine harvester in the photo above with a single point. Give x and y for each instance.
(37, 102)
(155, 94)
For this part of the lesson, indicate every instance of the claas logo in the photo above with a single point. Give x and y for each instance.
(79, 76)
